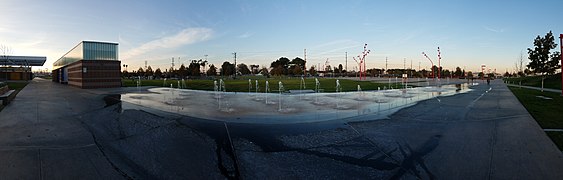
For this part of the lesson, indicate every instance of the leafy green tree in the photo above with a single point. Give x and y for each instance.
(297, 71)
(312, 71)
(140, 72)
(158, 73)
(340, 68)
(194, 68)
(212, 71)
(458, 72)
(182, 71)
(203, 63)
(282, 63)
(297, 61)
(264, 71)
(254, 68)
(227, 68)
(149, 71)
(541, 59)
(243, 69)
(277, 71)
(470, 74)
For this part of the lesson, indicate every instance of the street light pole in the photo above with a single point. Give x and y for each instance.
(561, 55)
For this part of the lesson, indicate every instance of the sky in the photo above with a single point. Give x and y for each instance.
(469, 33)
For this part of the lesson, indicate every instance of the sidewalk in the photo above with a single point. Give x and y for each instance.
(42, 139)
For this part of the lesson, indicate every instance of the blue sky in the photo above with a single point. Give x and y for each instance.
(469, 33)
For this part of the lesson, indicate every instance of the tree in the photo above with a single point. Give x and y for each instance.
(297, 71)
(542, 60)
(520, 64)
(158, 73)
(212, 71)
(182, 71)
(254, 68)
(457, 72)
(283, 63)
(194, 68)
(140, 72)
(297, 61)
(340, 69)
(312, 71)
(227, 68)
(277, 71)
(149, 71)
(243, 69)
(264, 71)
(203, 63)
(470, 74)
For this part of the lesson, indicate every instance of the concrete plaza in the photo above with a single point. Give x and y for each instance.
(52, 131)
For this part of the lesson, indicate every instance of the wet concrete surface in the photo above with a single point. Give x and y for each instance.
(482, 134)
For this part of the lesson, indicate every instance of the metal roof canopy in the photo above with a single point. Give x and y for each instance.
(22, 60)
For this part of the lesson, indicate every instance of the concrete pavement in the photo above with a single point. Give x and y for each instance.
(52, 131)
(40, 137)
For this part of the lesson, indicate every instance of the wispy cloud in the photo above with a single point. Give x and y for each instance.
(493, 30)
(184, 37)
(245, 35)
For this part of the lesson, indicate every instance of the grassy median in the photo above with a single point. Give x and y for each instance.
(547, 112)
(550, 81)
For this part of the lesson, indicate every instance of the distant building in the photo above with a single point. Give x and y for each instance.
(19, 67)
(88, 65)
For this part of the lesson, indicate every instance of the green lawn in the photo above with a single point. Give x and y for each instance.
(241, 84)
(551, 81)
(557, 138)
(546, 112)
(17, 85)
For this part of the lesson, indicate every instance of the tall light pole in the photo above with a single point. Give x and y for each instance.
(561, 46)
(205, 64)
(439, 66)
(235, 54)
(430, 62)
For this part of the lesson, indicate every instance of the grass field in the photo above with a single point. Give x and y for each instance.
(17, 85)
(547, 112)
(241, 84)
(551, 81)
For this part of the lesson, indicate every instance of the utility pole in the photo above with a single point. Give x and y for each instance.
(385, 65)
(145, 65)
(439, 67)
(346, 67)
(204, 71)
(561, 46)
(404, 64)
(305, 63)
(235, 54)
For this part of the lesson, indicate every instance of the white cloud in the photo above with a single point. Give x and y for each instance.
(245, 35)
(184, 37)
(494, 30)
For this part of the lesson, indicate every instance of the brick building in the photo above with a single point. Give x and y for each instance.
(89, 65)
